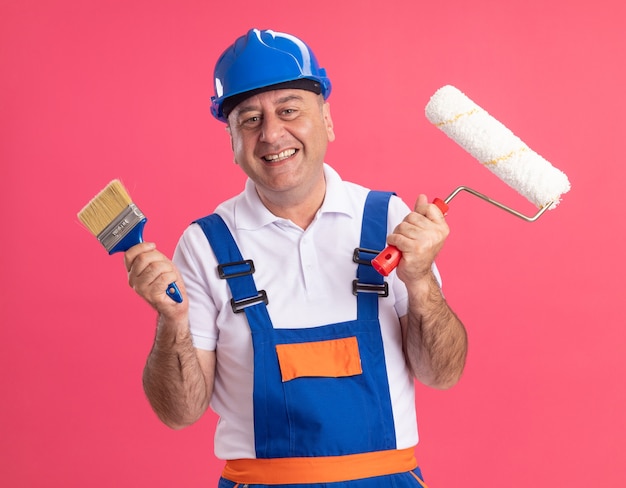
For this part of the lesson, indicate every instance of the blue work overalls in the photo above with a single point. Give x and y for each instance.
(321, 395)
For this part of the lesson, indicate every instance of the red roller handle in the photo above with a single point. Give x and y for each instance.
(388, 258)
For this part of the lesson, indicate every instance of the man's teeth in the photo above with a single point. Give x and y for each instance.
(281, 155)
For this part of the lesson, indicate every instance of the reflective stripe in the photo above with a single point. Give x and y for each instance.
(334, 358)
(419, 480)
(325, 469)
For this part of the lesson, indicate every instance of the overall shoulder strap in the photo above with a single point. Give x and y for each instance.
(233, 268)
(370, 284)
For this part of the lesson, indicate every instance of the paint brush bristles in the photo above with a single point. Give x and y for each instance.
(105, 207)
(118, 224)
(114, 219)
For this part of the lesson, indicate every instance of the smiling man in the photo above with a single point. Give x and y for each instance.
(307, 354)
(279, 138)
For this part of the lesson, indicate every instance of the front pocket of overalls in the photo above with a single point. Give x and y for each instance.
(335, 358)
(325, 392)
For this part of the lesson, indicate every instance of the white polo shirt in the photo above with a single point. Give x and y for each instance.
(307, 275)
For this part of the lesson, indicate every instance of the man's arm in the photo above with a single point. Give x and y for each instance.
(434, 339)
(178, 378)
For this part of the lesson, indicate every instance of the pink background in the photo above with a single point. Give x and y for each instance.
(93, 90)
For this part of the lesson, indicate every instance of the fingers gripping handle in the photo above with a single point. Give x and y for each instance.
(388, 258)
(442, 205)
(135, 236)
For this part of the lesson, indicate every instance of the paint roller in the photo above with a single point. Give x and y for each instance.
(498, 149)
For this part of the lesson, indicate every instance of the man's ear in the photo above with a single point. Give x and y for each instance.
(230, 135)
(232, 143)
(328, 120)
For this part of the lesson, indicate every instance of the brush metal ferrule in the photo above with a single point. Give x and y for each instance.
(120, 226)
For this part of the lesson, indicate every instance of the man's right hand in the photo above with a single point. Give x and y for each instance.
(149, 274)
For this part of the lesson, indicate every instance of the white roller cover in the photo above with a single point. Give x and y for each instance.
(496, 147)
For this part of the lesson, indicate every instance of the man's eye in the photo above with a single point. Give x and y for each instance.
(251, 121)
(289, 114)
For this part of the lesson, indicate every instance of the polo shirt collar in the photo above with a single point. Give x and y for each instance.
(251, 214)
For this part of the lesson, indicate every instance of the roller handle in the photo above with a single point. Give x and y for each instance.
(388, 258)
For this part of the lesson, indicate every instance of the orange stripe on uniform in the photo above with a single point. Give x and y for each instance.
(334, 358)
(419, 480)
(328, 469)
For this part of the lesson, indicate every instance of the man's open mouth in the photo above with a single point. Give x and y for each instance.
(274, 158)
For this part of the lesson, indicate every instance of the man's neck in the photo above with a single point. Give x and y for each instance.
(300, 209)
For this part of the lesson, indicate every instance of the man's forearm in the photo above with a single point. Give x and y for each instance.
(173, 378)
(435, 340)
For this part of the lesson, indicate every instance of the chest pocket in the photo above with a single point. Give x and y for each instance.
(335, 358)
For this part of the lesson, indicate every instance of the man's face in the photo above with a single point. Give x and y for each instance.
(279, 139)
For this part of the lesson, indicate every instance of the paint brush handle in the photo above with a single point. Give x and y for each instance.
(174, 293)
(388, 258)
(135, 236)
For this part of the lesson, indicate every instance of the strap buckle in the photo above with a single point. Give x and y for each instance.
(381, 290)
(356, 256)
(239, 306)
(237, 271)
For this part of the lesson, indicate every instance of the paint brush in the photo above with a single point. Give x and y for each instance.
(118, 224)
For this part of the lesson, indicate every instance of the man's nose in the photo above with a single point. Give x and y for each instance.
(271, 128)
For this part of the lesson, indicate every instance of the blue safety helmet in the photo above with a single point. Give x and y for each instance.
(264, 60)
